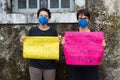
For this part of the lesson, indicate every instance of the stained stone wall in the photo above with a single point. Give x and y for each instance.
(104, 17)
(12, 66)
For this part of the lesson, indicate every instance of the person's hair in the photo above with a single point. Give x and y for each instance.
(46, 10)
(83, 12)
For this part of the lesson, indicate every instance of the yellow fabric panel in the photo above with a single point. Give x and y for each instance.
(41, 47)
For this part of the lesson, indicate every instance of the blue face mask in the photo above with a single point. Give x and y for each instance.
(43, 20)
(83, 23)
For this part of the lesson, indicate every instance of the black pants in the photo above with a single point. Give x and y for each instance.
(83, 72)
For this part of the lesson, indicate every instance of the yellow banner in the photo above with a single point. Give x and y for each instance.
(41, 47)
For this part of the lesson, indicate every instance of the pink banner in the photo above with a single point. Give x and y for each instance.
(83, 48)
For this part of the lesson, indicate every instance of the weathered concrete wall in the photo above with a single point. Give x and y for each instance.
(104, 16)
(12, 65)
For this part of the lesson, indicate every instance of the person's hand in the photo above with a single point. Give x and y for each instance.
(60, 38)
(103, 43)
(63, 41)
(22, 38)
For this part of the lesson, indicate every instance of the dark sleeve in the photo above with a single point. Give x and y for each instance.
(55, 32)
(30, 31)
(92, 30)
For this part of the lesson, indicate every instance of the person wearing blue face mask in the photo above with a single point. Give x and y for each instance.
(83, 17)
(39, 68)
(43, 20)
(78, 72)
(83, 23)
